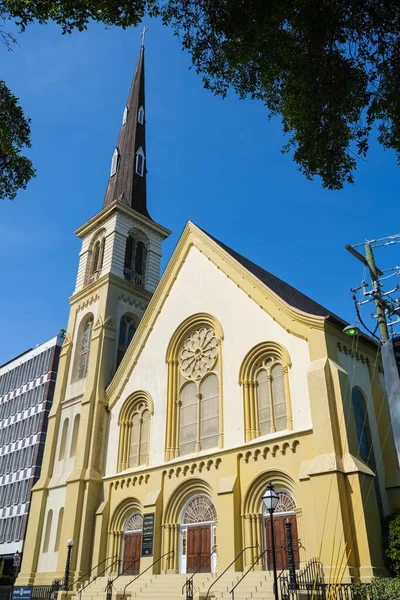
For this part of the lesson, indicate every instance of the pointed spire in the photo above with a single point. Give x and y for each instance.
(127, 182)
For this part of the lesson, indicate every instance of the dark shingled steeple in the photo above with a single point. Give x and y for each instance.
(126, 182)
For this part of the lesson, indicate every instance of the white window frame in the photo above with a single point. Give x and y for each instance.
(125, 115)
(141, 115)
(139, 153)
(114, 162)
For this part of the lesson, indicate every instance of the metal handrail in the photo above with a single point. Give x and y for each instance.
(198, 568)
(230, 564)
(248, 571)
(122, 572)
(143, 572)
(96, 576)
(88, 572)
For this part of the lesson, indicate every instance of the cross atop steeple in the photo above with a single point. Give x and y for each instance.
(127, 182)
(145, 30)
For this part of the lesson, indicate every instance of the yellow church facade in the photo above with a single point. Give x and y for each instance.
(179, 399)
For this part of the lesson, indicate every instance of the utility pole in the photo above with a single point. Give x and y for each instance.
(376, 291)
(369, 261)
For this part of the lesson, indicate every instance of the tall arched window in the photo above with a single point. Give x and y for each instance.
(63, 442)
(126, 332)
(194, 399)
(365, 451)
(264, 375)
(134, 422)
(84, 350)
(75, 432)
(47, 531)
(135, 260)
(97, 259)
(140, 162)
(59, 528)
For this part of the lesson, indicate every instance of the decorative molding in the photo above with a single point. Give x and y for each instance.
(130, 481)
(88, 301)
(272, 450)
(195, 467)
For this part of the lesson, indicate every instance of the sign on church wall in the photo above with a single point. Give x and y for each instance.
(148, 534)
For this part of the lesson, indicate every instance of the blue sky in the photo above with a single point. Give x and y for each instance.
(216, 162)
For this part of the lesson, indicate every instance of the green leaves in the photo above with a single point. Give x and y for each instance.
(330, 69)
(392, 543)
(15, 170)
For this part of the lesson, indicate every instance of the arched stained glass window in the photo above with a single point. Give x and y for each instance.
(199, 510)
(85, 350)
(126, 332)
(365, 450)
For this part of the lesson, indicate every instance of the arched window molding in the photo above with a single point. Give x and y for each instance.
(135, 259)
(127, 328)
(264, 377)
(59, 528)
(134, 438)
(47, 531)
(114, 162)
(84, 348)
(141, 115)
(96, 258)
(75, 432)
(194, 400)
(140, 158)
(63, 443)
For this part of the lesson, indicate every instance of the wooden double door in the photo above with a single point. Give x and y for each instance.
(132, 551)
(198, 549)
(281, 554)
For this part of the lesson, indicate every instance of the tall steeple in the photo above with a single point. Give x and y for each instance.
(127, 182)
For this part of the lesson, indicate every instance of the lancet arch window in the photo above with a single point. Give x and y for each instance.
(364, 437)
(194, 412)
(134, 423)
(141, 115)
(135, 259)
(264, 377)
(140, 162)
(127, 330)
(114, 162)
(84, 348)
(97, 256)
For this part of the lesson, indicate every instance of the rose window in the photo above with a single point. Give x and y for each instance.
(198, 354)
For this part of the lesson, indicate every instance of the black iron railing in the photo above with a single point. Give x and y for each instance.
(228, 567)
(91, 571)
(143, 572)
(232, 592)
(308, 579)
(116, 562)
(46, 592)
(189, 582)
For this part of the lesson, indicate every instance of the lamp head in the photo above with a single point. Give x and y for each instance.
(70, 543)
(270, 498)
(352, 330)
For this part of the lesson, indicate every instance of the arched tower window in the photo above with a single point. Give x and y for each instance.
(114, 162)
(141, 115)
(84, 350)
(135, 260)
(140, 162)
(97, 259)
(365, 451)
(75, 433)
(127, 330)
(125, 115)
(63, 442)
(134, 422)
(47, 531)
(59, 528)
(264, 376)
(194, 398)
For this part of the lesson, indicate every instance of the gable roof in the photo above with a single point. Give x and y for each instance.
(282, 289)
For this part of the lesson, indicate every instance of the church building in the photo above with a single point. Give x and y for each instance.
(178, 399)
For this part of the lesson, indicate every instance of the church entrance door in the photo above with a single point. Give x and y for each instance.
(284, 512)
(132, 548)
(132, 545)
(198, 549)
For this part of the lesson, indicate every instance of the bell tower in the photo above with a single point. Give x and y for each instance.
(119, 269)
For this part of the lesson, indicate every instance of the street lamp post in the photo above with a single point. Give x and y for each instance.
(70, 543)
(270, 500)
